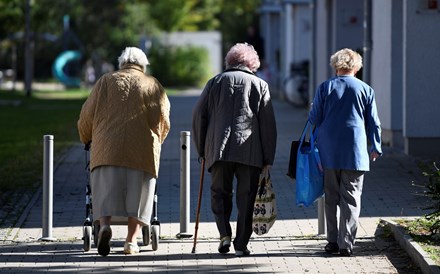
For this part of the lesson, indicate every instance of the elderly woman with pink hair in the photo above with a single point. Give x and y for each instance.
(234, 131)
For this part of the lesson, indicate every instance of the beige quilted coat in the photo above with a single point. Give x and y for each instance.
(127, 119)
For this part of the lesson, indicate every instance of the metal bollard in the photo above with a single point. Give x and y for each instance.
(321, 216)
(47, 188)
(184, 184)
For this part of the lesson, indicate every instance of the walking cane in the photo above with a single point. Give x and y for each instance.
(202, 173)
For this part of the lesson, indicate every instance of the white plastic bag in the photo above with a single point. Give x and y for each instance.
(265, 209)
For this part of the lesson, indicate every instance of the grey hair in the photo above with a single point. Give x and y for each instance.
(133, 55)
(346, 59)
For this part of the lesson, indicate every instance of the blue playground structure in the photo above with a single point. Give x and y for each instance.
(60, 68)
(66, 66)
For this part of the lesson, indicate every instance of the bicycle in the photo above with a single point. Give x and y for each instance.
(296, 85)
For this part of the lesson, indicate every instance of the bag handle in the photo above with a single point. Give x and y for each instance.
(263, 184)
(311, 133)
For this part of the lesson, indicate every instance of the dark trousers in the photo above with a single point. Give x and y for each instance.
(221, 199)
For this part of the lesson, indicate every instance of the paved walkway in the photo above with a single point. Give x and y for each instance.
(292, 246)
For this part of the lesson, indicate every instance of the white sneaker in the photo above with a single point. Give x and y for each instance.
(131, 248)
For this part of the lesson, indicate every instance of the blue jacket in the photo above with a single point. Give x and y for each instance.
(345, 115)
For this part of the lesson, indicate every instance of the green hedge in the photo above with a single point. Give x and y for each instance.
(184, 66)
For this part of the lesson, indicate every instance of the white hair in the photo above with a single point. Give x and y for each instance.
(133, 55)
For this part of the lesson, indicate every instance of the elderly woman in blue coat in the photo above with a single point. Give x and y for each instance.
(234, 130)
(345, 115)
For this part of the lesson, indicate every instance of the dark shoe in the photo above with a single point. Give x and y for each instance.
(240, 253)
(225, 244)
(104, 237)
(346, 252)
(331, 248)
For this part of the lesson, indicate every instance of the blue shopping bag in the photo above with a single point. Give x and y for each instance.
(309, 172)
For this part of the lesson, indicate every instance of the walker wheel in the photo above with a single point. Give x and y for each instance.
(146, 234)
(87, 236)
(155, 233)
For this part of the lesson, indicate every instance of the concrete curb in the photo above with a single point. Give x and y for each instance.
(414, 250)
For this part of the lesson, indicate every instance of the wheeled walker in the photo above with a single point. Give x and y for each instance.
(150, 232)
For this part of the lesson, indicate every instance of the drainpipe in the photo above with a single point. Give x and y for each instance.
(366, 73)
(288, 43)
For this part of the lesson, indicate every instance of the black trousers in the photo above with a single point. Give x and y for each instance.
(221, 199)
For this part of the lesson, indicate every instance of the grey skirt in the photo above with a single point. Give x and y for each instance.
(122, 192)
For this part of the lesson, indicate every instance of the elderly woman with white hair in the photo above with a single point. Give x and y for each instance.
(345, 115)
(126, 117)
(235, 132)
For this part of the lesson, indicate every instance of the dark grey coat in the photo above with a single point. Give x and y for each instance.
(234, 121)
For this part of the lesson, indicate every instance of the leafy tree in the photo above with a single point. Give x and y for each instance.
(231, 18)
(189, 15)
(103, 28)
(236, 16)
(97, 26)
(11, 24)
(11, 17)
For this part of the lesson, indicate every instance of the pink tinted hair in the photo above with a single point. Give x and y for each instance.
(242, 54)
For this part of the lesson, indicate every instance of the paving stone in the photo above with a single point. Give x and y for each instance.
(293, 245)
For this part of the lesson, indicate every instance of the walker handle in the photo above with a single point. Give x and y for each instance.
(87, 146)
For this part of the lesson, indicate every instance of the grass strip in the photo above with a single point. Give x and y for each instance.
(24, 121)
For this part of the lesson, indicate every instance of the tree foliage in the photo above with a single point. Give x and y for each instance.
(101, 29)
(11, 17)
(189, 15)
(236, 16)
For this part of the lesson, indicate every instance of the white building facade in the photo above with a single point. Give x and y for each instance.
(400, 42)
